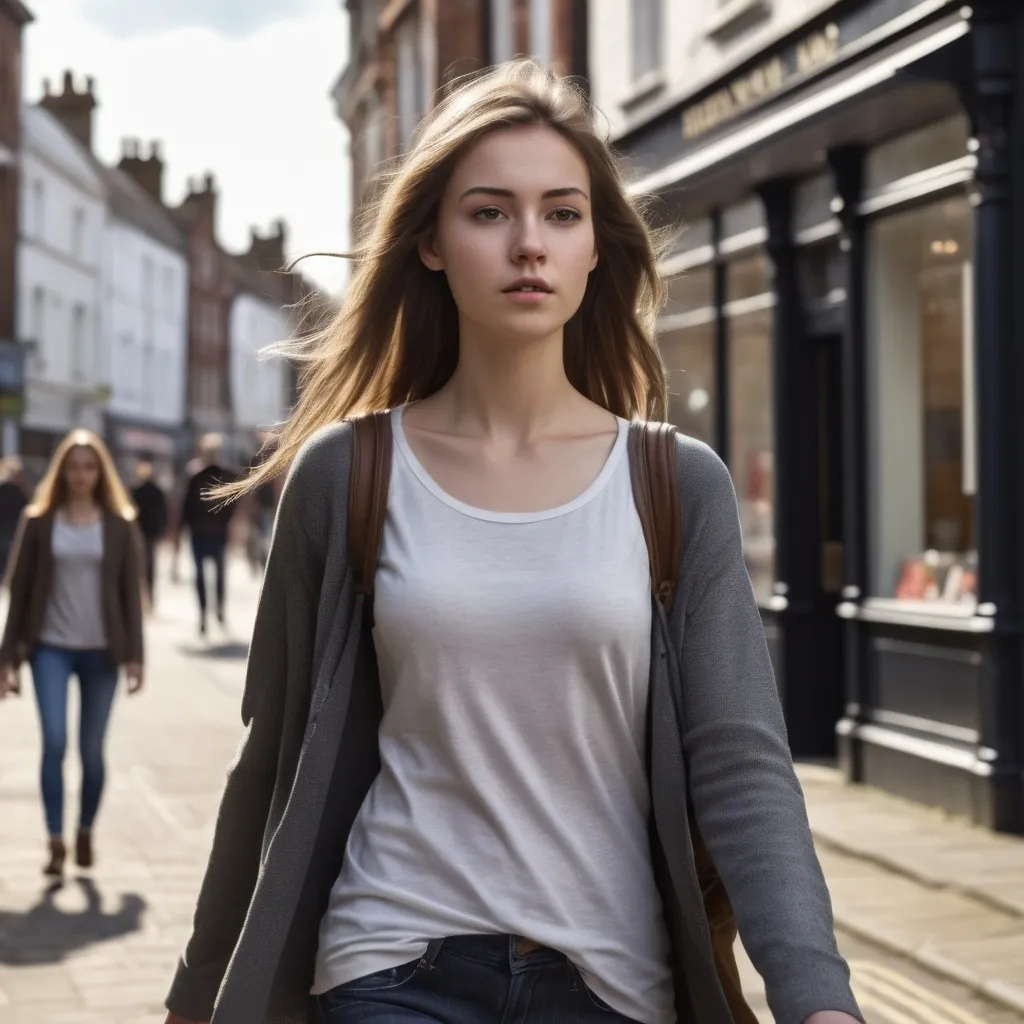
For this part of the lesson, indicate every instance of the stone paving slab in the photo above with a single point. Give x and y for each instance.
(925, 844)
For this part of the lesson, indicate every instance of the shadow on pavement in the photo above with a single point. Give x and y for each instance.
(233, 650)
(46, 934)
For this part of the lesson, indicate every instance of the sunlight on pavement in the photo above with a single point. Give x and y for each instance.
(886, 994)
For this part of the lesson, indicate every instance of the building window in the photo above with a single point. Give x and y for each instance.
(751, 455)
(38, 325)
(148, 391)
(503, 45)
(922, 449)
(409, 74)
(168, 276)
(147, 283)
(646, 25)
(38, 217)
(686, 340)
(78, 341)
(78, 234)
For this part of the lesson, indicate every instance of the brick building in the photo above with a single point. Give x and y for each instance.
(13, 17)
(401, 52)
(211, 290)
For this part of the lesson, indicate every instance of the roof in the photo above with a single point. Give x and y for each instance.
(16, 11)
(130, 202)
(43, 135)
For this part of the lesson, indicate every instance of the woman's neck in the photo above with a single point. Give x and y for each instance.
(81, 509)
(517, 390)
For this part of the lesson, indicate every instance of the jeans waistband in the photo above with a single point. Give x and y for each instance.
(496, 950)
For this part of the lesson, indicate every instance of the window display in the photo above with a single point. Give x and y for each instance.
(689, 358)
(752, 442)
(920, 320)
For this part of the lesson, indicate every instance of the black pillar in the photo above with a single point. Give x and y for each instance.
(847, 166)
(721, 425)
(809, 700)
(994, 108)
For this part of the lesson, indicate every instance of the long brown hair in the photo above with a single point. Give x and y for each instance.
(52, 491)
(396, 337)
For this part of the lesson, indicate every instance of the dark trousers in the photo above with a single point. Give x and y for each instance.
(471, 979)
(209, 549)
(149, 553)
(52, 668)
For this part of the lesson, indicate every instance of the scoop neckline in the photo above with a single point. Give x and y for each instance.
(588, 494)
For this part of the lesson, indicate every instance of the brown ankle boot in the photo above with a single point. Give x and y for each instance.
(83, 850)
(58, 853)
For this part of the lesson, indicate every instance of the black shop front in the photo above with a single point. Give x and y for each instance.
(841, 326)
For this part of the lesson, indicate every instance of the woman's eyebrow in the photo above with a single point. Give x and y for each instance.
(507, 193)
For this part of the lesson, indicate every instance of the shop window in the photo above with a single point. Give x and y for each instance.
(752, 443)
(689, 358)
(690, 292)
(743, 224)
(748, 278)
(922, 447)
(917, 151)
(812, 204)
(647, 37)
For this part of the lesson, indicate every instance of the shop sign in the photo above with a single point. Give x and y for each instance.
(762, 82)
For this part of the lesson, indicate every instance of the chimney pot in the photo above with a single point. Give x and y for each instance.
(46, 86)
(209, 181)
(69, 83)
(155, 150)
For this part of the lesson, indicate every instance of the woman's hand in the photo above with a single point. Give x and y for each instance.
(133, 670)
(9, 683)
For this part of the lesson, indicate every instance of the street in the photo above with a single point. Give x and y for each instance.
(101, 948)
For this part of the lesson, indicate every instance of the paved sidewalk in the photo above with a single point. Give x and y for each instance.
(947, 895)
(100, 950)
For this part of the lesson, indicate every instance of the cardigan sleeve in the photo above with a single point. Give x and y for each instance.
(746, 796)
(131, 593)
(280, 659)
(23, 566)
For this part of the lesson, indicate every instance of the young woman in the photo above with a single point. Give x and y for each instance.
(76, 609)
(447, 814)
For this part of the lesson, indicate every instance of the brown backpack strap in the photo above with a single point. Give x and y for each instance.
(655, 477)
(368, 495)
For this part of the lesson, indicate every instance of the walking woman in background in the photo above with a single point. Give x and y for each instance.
(467, 802)
(76, 609)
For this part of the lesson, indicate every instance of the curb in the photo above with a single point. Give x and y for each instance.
(986, 899)
(1006, 997)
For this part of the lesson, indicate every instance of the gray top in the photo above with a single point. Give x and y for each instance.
(514, 654)
(74, 611)
(312, 710)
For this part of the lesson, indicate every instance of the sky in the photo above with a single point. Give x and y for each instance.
(237, 87)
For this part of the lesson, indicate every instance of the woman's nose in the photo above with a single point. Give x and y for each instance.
(529, 242)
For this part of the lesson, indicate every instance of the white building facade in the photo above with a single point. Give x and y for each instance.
(259, 384)
(60, 269)
(144, 327)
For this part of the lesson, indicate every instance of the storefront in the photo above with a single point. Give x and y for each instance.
(165, 448)
(840, 327)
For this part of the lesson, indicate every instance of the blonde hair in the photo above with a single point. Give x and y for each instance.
(395, 339)
(52, 491)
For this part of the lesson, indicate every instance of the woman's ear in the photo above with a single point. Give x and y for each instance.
(429, 255)
(593, 260)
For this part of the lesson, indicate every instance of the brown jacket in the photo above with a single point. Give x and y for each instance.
(31, 574)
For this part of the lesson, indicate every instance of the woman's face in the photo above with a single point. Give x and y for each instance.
(515, 235)
(81, 472)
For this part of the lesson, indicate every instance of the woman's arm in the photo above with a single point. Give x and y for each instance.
(280, 655)
(746, 796)
(24, 566)
(131, 594)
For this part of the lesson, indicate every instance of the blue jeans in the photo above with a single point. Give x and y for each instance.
(471, 979)
(209, 549)
(52, 668)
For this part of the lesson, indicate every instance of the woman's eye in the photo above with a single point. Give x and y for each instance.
(565, 214)
(488, 213)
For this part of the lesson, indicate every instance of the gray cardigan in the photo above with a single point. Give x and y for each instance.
(312, 706)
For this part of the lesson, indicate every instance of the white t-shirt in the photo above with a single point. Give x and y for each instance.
(74, 611)
(514, 654)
